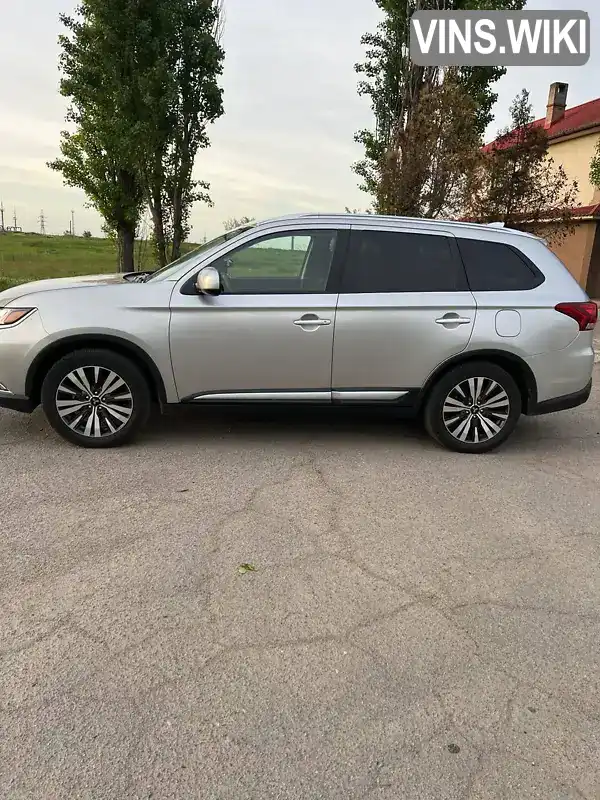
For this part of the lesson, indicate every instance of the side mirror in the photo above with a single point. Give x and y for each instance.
(209, 282)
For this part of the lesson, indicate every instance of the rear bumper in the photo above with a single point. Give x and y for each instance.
(16, 402)
(562, 403)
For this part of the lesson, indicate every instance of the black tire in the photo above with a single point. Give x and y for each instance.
(446, 429)
(116, 418)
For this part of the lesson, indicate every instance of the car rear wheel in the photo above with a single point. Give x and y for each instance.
(96, 398)
(474, 408)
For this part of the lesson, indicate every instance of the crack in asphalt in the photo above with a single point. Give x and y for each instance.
(527, 608)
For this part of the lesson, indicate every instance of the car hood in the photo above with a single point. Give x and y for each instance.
(57, 283)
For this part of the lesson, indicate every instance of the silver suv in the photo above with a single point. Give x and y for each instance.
(469, 325)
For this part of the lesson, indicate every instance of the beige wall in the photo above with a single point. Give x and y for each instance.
(575, 250)
(575, 156)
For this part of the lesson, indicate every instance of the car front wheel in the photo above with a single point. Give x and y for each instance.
(474, 408)
(96, 398)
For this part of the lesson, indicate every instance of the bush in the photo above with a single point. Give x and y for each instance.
(6, 283)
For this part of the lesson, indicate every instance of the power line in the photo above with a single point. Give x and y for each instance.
(42, 220)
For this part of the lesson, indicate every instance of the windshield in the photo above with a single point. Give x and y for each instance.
(174, 267)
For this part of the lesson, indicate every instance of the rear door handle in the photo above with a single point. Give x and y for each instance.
(453, 320)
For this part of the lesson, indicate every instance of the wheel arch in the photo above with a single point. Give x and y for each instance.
(56, 350)
(518, 369)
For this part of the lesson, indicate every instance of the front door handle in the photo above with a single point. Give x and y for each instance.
(311, 321)
(452, 320)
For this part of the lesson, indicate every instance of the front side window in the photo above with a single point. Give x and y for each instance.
(383, 261)
(280, 263)
(174, 267)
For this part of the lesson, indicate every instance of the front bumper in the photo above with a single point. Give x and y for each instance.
(562, 403)
(18, 346)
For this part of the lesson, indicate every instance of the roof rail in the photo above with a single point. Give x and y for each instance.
(440, 223)
(374, 217)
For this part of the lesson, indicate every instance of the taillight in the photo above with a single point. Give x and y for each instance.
(584, 314)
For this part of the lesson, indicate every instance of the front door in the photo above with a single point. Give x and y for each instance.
(404, 309)
(269, 335)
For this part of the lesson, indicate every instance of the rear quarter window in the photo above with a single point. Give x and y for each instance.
(497, 267)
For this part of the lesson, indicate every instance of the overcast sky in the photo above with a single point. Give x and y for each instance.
(285, 143)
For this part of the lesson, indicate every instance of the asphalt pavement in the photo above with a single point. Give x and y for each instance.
(411, 623)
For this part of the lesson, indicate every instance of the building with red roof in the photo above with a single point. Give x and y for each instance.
(573, 134)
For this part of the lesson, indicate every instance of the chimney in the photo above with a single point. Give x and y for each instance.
(557, 103)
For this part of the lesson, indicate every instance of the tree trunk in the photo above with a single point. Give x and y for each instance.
(158, 222)
(128, 216)
(177, 224)
(119, 245)
(126, 234)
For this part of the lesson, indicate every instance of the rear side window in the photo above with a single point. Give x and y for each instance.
(495, 267)
(382, 261)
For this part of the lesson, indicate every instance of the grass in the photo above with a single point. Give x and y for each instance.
(267, 263)
(30, 257)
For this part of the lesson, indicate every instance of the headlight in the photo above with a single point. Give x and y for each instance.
(10, 316)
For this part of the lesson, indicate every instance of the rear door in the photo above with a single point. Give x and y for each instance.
(404, 309)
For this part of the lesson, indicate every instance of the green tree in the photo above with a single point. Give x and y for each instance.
(186, 99)
(102, 75)
(412, 159)
(595, 167)
(516, 182)
(141, 79)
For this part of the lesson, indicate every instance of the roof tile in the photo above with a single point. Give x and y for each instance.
(579, 118)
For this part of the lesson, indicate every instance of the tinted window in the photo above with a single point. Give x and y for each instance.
(495, 267)
(381, 261)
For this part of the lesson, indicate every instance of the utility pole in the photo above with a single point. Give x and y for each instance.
(42, 220)
(15, 218)
(72, 223)
(1, 216)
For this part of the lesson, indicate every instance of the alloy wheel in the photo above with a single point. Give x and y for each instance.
(94, 401)
(476, 410)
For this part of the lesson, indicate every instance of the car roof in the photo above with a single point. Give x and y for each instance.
(469, 228)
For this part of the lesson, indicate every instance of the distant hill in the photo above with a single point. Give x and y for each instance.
(30, 256)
